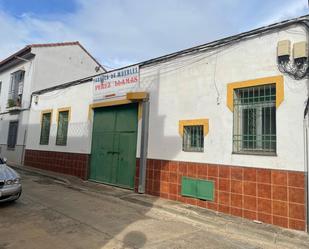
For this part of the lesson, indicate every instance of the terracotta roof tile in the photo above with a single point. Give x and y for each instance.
(54, 44)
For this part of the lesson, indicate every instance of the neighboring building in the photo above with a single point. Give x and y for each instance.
(32, 68)
(224, 121)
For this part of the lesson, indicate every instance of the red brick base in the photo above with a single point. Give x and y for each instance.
(271, 196)
(67, 163)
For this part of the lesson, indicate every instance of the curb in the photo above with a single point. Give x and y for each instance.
(236, 226)
(40, 172)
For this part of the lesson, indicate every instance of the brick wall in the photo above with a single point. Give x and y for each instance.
(271, 196)
(67, 163)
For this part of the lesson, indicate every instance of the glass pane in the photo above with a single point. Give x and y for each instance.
(45, 128)
(193, 138)
(12, 134)
(249, 128)
(255, 119)
(62, 128)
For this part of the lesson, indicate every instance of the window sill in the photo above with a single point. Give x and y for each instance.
(198, 151)
(271, 154)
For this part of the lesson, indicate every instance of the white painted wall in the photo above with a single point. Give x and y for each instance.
(193, 87)
(61, 64)
(51, 66)
(186, 89)
(5, 118)
(5, 77)
(78, 98)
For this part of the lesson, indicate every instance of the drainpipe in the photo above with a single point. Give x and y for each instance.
(144, 146)
(306, 150)
(306, 159)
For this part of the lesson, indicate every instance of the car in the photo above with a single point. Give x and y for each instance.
(10, 184)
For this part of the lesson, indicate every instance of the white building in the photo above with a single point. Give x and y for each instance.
(223, 122)
(35, 67)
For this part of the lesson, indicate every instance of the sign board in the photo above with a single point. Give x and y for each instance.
(116, 83)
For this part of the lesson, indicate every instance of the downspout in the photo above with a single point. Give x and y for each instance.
(306, 150)
(306, 171)
(144, 146)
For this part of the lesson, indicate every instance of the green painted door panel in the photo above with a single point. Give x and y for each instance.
(126, 163)
(126, 118)
(102, 157)
(104, 120)
(115, 156)
(113, 152)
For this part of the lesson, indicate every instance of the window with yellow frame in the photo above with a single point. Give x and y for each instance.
(45, 127)
(62, 126)
(193, 133)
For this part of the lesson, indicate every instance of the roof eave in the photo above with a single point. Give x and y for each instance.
(14, 59)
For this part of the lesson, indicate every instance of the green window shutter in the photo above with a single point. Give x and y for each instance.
(45, 128)
(62, 130)
(12, 135)
(197, 188)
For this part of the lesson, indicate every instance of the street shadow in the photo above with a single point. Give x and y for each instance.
(134, 239)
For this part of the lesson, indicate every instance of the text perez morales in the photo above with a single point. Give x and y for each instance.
(116, 83)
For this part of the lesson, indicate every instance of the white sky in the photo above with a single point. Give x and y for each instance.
(122, 32)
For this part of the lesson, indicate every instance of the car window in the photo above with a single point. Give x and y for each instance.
(1, 161)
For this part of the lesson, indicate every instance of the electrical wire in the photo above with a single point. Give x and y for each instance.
(202, 48)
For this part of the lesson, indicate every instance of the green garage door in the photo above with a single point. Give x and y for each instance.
(113, 153)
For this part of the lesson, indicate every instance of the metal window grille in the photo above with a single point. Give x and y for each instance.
(62, 130)
(193, 138)
(45, 128)
(12, 135)
(255, 120)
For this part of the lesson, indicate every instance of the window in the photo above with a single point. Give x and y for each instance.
(62, 130)
(12, 135)
(45, 128)
(193, 138)
(16, 88)
(255, 119)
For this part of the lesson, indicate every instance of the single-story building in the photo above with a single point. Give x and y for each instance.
(222, 126)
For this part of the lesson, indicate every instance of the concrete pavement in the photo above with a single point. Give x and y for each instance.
(56, 211)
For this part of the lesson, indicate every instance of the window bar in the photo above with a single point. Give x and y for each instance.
(201, 138)
(270, 129)
(247, 143)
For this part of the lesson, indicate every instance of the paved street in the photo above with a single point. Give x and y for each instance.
(52, 215)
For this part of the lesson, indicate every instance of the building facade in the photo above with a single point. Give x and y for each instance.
(32, 68)
(220, 126)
